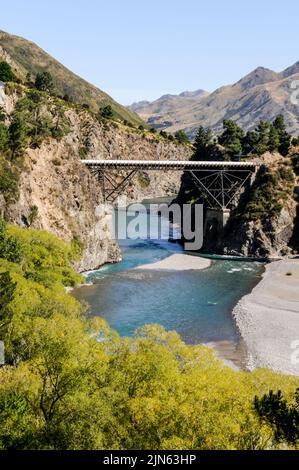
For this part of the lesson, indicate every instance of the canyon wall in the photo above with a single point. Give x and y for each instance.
(63, 194)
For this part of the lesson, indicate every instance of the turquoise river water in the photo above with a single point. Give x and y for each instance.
(197, 304)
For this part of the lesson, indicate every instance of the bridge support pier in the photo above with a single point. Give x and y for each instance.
(215, 222)
(218, 216)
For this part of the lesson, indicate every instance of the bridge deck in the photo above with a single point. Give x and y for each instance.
(169, 164)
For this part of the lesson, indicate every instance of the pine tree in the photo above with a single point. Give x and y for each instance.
(231, 138)
(44, 82)
(6, 73)
(274, 139)
(250, 142)
(284, 137)
(203, 142)
(263, 130)
(17, 134)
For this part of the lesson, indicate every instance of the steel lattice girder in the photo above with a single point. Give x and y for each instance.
(220, 187)
(114, 187)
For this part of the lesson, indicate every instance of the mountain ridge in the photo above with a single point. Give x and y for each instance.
(260, 94)
(27, 57)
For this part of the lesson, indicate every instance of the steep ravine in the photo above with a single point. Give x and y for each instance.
(68, 197)
(116, 141)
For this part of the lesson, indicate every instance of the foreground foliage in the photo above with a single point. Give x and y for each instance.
(72, 383)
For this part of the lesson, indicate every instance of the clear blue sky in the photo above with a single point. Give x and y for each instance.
(142, 49)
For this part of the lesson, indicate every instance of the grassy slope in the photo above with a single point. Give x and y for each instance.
(30, 58)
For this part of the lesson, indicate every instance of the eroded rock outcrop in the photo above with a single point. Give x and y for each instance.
(263, 223)
(59, 194)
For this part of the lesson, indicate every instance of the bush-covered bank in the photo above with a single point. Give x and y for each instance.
(72, 383)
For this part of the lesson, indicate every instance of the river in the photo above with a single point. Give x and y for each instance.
(197, 304)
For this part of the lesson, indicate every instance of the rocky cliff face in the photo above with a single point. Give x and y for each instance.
(63, 194)
(116, 141)
(270, 240)
(68, 201)
(264, 222)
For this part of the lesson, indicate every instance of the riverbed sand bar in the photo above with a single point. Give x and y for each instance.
(178, 262)
(268, 319)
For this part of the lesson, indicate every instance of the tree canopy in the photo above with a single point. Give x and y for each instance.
(44, 82)
(181, 136)
(6, 72)
(70, 382)
(107, 112)
(268, 136)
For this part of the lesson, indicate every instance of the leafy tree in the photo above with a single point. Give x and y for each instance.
(283, 417)
(7, 289)
(6, 73)
(8, 181)
(44, 82)
(72, 383)
(181, 136)
(107, 112)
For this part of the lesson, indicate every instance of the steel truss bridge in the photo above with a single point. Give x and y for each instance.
(220, 182)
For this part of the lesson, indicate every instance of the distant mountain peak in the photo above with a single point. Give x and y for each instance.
(261, 95)
(166, 105)
(192, 94)
(258, 76)
(288, 72)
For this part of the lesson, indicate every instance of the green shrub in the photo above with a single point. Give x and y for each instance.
(6, 73)
(143, 180)
(270, 190)
(107, 112)
(72, 383)
(181, 136)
